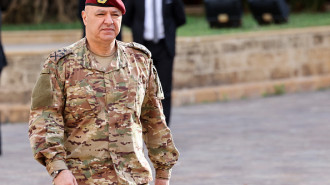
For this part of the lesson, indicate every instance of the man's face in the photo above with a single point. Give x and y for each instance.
(102, 23)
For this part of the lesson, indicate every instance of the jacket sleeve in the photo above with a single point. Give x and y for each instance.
(157, 136)
(179, 13)
(46, 126)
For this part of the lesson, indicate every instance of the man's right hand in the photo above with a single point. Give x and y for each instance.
(65, 177)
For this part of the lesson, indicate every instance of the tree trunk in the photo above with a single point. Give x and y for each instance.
(61, 15)
(38, 11)
(40, 8)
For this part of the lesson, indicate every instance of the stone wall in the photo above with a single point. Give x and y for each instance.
(253, 57)
(209, 68)
(19, 77)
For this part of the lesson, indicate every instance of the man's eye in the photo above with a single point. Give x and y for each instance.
(100, 14)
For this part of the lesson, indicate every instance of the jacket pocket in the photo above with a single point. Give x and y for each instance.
(127, 91)
(81, 101)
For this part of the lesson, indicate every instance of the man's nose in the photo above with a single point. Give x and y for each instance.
(108, 19)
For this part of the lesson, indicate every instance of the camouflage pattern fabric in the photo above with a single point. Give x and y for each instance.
(93, 120)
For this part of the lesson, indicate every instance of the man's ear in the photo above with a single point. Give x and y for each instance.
(84, 16)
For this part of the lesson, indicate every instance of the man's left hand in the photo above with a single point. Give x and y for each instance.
(162, 182)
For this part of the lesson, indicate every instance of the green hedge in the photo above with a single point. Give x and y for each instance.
(310, 5)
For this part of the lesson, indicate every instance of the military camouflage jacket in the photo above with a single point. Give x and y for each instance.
(93, 120)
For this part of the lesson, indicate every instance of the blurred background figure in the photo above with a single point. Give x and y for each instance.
(3, 62)
(225, 13)
(154, 24)
(267, 12)
(81, 7)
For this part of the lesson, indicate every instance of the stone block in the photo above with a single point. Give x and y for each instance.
(318, 40)
(230, 92)
(16, 97)
(14, 113)
(324, 82)
(298, 41)
(263, 60)
(271, 44)
(254, 90)
(205, 95)
(183, 97)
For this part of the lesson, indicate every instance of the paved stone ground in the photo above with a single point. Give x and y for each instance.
(269, 141)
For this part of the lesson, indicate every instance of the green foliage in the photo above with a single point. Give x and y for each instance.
(278, 90)
(225, 97)
(311, 5)
(198, 26)
(323, 88)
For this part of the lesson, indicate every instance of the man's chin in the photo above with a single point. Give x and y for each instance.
(108, 38)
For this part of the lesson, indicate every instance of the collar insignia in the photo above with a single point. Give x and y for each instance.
(102, 1)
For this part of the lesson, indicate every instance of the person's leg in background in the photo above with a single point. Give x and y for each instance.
(164, 65)
(3, 61)
(81, 7)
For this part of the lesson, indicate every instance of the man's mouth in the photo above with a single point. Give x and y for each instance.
(108, 29)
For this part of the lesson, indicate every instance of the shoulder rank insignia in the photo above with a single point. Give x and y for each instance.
(140, 47)
(57, 55)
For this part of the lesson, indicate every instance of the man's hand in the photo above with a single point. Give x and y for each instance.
(162, 182)
(65, 177)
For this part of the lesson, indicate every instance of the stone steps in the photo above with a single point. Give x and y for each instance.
(40, 37)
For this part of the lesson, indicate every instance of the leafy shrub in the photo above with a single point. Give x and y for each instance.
(310, 5)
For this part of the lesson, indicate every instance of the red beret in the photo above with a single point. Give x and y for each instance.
(107, 3)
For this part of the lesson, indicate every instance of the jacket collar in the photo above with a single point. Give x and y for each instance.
(89, 62)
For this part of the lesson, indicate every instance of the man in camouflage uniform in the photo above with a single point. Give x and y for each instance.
(94, 104)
